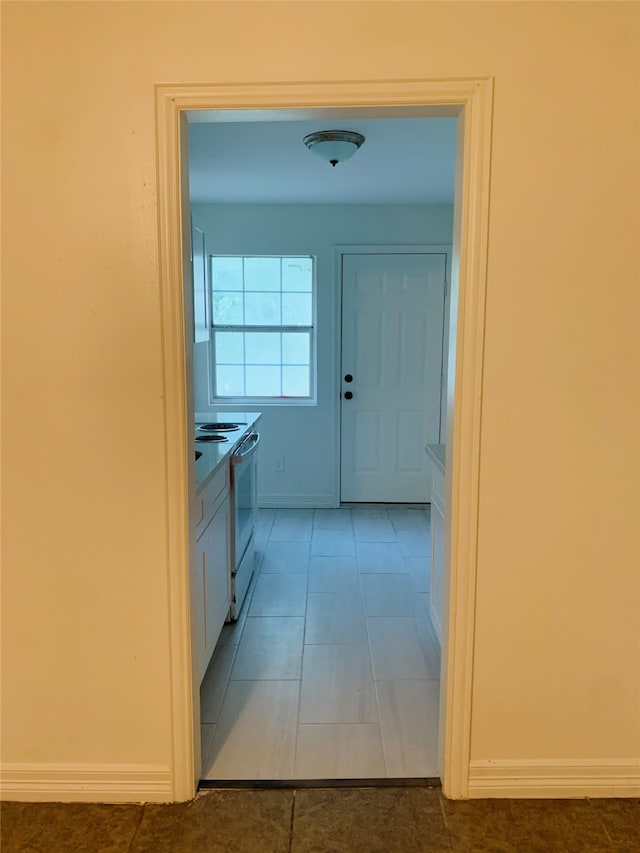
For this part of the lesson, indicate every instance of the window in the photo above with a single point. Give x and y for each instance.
(262, 327)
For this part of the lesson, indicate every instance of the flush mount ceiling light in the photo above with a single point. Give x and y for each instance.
(334, 146)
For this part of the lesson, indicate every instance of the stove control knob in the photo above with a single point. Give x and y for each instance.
(348, 377)
(348, 395)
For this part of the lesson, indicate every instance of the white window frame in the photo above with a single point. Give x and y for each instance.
(310, 400)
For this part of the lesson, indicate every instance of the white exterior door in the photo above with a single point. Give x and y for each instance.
(392, 332)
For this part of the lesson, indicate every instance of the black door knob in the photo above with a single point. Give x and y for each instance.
(348, 377)
(348, 395)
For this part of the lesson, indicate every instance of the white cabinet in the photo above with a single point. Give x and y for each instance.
(198, 642)
(211, 574)
(217, 575)
(437, 546)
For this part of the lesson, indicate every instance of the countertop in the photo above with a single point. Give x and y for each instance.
(438, 454)
(215, 455)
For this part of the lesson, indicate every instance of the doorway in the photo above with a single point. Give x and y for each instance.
(471, 101)
(281, 656)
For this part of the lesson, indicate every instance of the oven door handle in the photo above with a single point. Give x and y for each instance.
(247, 448)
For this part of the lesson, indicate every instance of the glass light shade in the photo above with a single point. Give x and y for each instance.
(334, 146)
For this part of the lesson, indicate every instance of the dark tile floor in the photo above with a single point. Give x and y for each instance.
(329, 820)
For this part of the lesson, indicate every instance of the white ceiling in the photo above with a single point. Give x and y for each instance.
(402, 161)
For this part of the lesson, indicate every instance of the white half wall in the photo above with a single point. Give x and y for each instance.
(307, 436)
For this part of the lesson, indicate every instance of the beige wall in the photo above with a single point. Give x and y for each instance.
(85, 667)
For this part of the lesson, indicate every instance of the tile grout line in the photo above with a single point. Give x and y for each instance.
(236, 646)
(304, 634)
(373, 675)
(445, 822)
(293, 815)
(222, 701)
(136, 830)
(298, 680)
(603, 825)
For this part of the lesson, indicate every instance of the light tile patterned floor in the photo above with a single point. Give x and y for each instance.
(332, 670)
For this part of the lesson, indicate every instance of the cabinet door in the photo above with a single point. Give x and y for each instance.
(197, 605)
(217, 575)
(437, 549)
(437, 539)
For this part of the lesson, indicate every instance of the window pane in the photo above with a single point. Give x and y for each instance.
(251, 294)
(296, 309)
(263, 381)
(227, 309)
(262, 273)
(230, 381)
(295, 382)
(262, 309)
(297, 274)
(295, 348)
(229, 348)
(226, 273)
(262, 347)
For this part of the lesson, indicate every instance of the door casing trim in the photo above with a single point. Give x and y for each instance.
(471, 101)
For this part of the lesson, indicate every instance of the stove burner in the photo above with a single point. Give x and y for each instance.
(211, 438)
(219, 427)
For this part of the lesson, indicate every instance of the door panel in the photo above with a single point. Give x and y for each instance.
(368, 362)
(392, 326)
(409, 430)
(367, 453)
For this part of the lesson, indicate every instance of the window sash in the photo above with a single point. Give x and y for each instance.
(274, 371)
(280, 365)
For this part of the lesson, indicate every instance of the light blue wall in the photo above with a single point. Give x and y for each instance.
(306, 436)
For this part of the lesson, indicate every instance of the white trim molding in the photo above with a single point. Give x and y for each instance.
(464, 416)
(470, 100)
(546, 778)
(86, 783)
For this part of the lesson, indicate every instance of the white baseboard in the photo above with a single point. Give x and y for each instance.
(278, 501)
(551, 778)
(86, 783)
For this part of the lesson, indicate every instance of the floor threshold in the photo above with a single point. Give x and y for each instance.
(279, 784)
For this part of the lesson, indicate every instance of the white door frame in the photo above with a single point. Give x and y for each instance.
(373, 249)
(469, 100)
